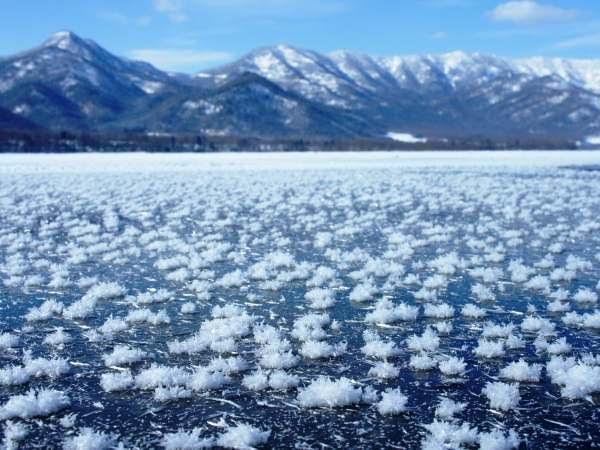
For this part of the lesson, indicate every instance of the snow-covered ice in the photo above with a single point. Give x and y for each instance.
(345, 300)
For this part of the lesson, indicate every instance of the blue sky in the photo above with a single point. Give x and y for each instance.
(189, 35)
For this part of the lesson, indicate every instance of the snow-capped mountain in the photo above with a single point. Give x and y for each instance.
(453, 93)
(70, 82)
(584, 73)
(323, 76)
(282, 91)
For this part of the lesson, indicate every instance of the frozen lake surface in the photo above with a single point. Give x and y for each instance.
(314, 300)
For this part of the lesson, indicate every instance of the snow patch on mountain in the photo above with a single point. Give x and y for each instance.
(593, 140)
(150, 87)
(405, 137)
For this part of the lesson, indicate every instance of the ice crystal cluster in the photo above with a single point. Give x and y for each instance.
(308, 301)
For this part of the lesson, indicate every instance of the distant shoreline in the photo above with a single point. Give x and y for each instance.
(71, 142)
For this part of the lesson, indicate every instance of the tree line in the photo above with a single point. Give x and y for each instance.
(70, 142)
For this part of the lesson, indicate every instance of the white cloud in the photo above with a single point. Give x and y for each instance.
(528, 12)
(177, 59)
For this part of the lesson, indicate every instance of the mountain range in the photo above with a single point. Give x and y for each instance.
(71, 83)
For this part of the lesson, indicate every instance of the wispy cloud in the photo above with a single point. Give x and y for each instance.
(530, 12)
(174, 9)
(583, 41)
(447, 3)
(180, 10)
(122, 19)
(177, 59)
(439, 35)
(281, 6)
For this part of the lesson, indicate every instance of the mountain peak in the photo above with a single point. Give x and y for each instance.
(287, 48)
(65, 40)
(457, 57)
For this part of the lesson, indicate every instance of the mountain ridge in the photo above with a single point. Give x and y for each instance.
(72, 83)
